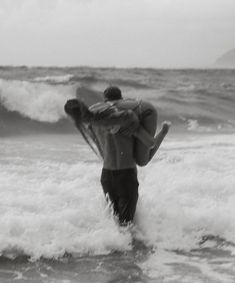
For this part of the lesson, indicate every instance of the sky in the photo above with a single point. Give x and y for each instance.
(116, 33)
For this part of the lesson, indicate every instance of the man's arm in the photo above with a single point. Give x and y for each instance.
(126, 120)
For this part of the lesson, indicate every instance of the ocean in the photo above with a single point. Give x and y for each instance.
(55, 225)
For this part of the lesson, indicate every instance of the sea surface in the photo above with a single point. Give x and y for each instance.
(55, 225)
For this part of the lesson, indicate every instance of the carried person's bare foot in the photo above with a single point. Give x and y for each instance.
(165, 127)
(161, 135)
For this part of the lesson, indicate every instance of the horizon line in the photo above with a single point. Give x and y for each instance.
(119, 67)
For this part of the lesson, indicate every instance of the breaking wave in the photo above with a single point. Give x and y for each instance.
(35, 99)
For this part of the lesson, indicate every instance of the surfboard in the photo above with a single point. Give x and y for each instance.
(89, 96)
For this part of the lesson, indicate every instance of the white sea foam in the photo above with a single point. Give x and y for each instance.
(166, 266)
(49, 206)
(37, 101)
(190, 193)
(52, 202)
(193, 125)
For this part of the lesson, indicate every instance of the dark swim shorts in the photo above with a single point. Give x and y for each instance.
(121, 186)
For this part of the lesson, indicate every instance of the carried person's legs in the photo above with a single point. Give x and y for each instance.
(146, 134)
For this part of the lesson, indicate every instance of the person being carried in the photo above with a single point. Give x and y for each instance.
(147, 141)
(116, 132)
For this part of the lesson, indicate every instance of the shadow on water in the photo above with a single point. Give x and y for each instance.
(114, 267)
(210, 262)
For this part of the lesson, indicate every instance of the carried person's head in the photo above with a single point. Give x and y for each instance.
(77, 110)
(112, 93)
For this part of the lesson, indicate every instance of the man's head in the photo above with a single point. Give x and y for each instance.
(112, 93)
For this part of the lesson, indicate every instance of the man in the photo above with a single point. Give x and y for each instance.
(119, 175)
(114, 126)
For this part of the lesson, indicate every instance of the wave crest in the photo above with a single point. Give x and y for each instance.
(37, 101)
(54, 79)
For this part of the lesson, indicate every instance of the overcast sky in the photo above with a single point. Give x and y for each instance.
(122, 33)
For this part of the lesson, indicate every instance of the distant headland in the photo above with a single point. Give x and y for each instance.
(227, 60)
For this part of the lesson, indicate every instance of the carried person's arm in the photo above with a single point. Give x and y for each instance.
(124, 122)
(127, 120)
